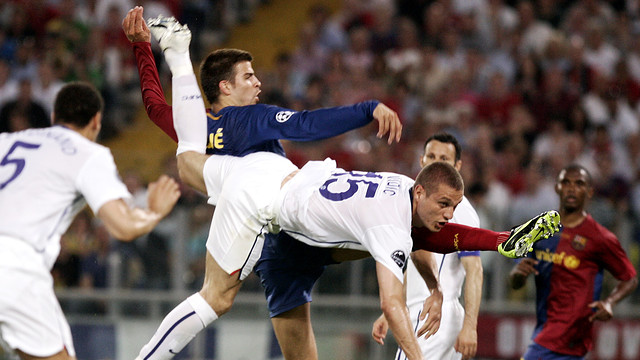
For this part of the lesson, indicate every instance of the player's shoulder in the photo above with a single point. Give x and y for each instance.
(254, 109)
(245, 115)
(68, 141)
(596, 230)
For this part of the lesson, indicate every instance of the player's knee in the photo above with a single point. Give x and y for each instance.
(220, 302)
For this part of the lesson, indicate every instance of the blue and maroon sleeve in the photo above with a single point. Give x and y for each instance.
(152, 95)
(275, 123)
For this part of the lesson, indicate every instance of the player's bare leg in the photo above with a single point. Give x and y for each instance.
(295, 334)
(219, 288)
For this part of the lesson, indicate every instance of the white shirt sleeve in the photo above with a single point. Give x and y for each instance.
(390, 246)
(99, 182)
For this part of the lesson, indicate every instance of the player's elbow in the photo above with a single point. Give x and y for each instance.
(123, 233)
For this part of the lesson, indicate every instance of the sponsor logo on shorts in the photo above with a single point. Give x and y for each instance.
(399, 258)
(283, 116)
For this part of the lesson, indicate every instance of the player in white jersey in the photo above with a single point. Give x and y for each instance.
(457, 336)
(46, 177)
(350, 209)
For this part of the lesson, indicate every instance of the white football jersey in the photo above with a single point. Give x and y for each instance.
(46, 177)
(351, 209)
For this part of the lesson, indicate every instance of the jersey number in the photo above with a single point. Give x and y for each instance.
(18, 162)
(368, 180)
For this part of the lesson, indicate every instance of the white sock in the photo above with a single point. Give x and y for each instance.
(179, 62)
(178, 328)
(189, 114)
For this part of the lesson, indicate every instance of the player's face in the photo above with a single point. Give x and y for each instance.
(574, 190)
(439, 151)
(246, 86)
(434, 210)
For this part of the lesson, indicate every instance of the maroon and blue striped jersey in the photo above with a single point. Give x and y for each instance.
(570, 268)
(241, 130)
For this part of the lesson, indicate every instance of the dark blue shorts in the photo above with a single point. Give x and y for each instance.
(288, 269)
(538, 352)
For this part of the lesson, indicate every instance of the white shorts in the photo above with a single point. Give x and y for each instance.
(441, 344)
(244, 190)
(31, 319)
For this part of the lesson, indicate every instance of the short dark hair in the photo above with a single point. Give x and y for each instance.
(445, 137)
(577, 168)
(220, 65)
(438, 173)
(76, 104)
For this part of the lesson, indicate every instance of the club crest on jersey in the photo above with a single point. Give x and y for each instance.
(399, 258)
(579, 242)
(283, 116)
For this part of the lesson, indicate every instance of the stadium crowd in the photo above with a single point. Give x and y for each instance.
(526, 86)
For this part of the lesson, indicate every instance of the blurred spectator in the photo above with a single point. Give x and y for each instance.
(104, 7)
(496, 103)
(46, 86)
(95, 269)
(436, 20)
(330, 34)
(73, 246)
(600, 54)
(309, 57)
(628, 86)
(528, 77)
(579, 72)
(429, 76)
(555, 53)
(389, 32)
(406, 55)
(359, 55)
(601, 147)
(8, 86)
(24, 63)
(608, 106)
(23, 112)
(535, 33)
(451, 55)
(553, 101)
(537, 196)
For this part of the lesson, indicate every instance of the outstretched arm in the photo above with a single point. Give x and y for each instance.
(126, 223)
(395, 311)
(153, 98)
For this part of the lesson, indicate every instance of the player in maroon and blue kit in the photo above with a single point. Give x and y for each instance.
(568, 270)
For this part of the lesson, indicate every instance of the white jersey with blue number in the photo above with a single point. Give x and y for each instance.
(354, 210)
(46, 177)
